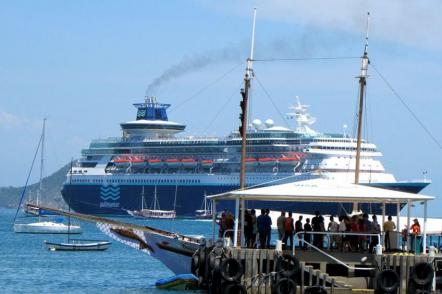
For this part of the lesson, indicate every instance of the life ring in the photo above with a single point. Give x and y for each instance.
(234, 289)
(422, 274)
(287, 266)
(387, 281)
(231, 270)
(315, 290)
(285, 286)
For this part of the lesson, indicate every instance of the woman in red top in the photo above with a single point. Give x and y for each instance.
(415, 236)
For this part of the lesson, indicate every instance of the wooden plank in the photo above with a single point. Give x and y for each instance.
(402, 286)
(261, 270)
(302, 269)
(254, 270)
(268, 271)
(407, 271)
(241, 257)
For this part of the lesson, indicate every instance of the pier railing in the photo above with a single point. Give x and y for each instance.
(327, 234)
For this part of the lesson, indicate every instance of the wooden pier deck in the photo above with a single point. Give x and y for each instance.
(318, 270)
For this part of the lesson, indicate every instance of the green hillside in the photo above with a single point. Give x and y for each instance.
(51, 196)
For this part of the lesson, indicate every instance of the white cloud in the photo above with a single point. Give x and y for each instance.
(12, 121)
(415, 23)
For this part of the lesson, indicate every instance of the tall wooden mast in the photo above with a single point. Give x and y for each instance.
(362, 85)
(244, 107)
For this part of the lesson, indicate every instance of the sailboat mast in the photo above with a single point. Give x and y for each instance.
(40, 188)
(244, 106)
(362, 85)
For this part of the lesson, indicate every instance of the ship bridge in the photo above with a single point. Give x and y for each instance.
(151, 121)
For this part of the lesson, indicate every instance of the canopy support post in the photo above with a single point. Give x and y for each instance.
(235, 232)
(213, 219)
(424, 246)
(243, 208)
(383, 213)
(408, 224)
(398, 223)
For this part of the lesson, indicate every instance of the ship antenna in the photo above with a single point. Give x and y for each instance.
(362, 85)
(243, 129)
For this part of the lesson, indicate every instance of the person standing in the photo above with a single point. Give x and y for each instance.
(375, 229)
(248, 227)
(254, 230)
(280, 225)
(230, 223)
(333, 227)
(298, 228)
(262, 229)
(307, 230)
(289, 228)
(318, 226)
(415, 236)
(222, 224)
(268, 226)
(389, 227)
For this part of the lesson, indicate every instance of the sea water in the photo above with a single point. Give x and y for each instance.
(26, 266)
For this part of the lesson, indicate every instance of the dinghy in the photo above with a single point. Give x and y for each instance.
(78, 245)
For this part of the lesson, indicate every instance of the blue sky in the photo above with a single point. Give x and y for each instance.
(82, 64)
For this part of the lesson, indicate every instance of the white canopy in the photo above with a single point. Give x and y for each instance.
(322, 190)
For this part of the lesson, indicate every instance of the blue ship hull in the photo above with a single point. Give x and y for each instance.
(117, 199)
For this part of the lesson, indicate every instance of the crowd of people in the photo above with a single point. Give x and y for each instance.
(349, 233)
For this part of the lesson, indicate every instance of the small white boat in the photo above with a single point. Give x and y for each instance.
(78, 245)
(47, 227)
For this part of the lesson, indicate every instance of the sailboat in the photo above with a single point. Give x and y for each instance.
(42, 227)
(155, 211)
(138, 213)
(206, 210)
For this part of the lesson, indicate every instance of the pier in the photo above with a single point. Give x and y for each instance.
(313, 269)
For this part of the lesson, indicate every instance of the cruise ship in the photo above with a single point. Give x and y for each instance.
(151, 155)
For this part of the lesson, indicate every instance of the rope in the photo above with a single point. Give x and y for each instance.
(396, 94)
(27, 179)
(305, 58)
(206, 87)
(271, 100)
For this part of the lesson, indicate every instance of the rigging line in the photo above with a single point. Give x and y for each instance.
(271, 100)
(206, 87)
(407, 107)
(27, 179)
(221, 109)
(305, 58)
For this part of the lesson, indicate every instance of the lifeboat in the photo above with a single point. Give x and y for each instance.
(267, 161)
(189, 162)
(136, 161)
(207, 163)
(172, 162)
(154, 162)
(121, 162)
(289, 161)
(251, 161)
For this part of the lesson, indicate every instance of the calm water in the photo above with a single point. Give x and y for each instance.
(26, 266)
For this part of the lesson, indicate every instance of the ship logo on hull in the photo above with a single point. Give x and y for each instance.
(109, 194)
